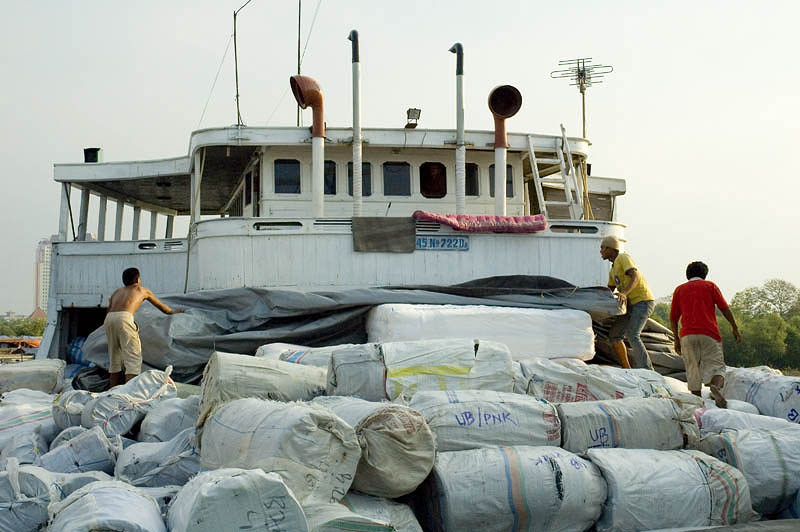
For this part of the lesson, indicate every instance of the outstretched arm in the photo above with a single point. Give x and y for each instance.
(729, 316)
(677, 337)
(160, 305)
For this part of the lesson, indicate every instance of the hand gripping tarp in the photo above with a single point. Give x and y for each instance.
(243, 319)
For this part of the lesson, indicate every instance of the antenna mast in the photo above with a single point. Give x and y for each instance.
(582, 74)
(236, 64)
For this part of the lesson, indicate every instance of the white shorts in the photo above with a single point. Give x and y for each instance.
(703, 358)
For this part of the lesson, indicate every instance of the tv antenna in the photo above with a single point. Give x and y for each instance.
(581, 74)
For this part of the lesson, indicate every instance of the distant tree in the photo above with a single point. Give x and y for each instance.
(763, 341)
(22, 327)
(775, 296)
(661, 314)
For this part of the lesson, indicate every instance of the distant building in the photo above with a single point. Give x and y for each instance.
(8, 315)
(42, 273)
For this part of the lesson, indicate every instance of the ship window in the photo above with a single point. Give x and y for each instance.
(433, 180)
(287, 176)
(471, 185)
(330, 177)
(366, 179)
(248, 188)
(396, 179)
(509, 181)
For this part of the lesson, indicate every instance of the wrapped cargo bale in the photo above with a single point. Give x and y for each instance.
(25, 447)
(24, 396)
(110, 505)
(300, 354)
(769, 459)
(67, 434)
(734, 404)
(88, 451)
(449, 364)
(315, 451)
(159, 464)
(229, 376)
(119, 409)
(71, 482)
(25, 493)
(510, 488)
(398, 515)
(357, 371)
(397, 445)
(529, 333)
(567, 381)
(649, 490)
(469, 419)
(631, 423)
(721, 419)
(68, 407)
(773, 395)
(335, 517)
(169, 418)
(16, 419)
(236, 499)
(41, 375)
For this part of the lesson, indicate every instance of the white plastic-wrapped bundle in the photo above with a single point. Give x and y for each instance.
(398, 515)
(300, 354)
(88, 451)
(528, 332)
(236, 499)
(229, 376)
(42, 375)
(25, 447)
(119, 409)
(357, 371)
(110, 505)
(16, 419)
(631, 423)
(25, 493)
(67, 434)
(335, 517)
(720, 419)
(733, 404)
(397, 446)
(68, 407)
(71, 482)
(769, 459)
(169, 418)
(774, 395)
(449, 364)
(158, 464)
(567, 381)
(511, 488)
(468, 419)
(24, 396)
(314, 451)
(649, 489)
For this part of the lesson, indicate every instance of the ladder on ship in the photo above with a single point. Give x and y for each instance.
(575, 194)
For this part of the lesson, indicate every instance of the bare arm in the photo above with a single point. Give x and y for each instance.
(677, 337)
(160, 305)
(635, 278)
(729, 316)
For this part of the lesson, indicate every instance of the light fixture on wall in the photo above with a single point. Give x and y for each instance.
(412, 115)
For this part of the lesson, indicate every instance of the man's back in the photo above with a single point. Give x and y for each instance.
(694, 303)
(128, 298)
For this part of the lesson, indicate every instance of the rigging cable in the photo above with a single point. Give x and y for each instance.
(311, 29)
(214, 84)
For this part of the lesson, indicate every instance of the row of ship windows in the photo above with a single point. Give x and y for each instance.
(396, 179)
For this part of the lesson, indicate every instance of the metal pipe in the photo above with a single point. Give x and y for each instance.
(504, 102)
(461, 149)
(358, 202)
(308, 94)
(84, 214)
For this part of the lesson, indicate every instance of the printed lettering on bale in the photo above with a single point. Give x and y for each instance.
(229, 376)
(721, 419)
(510, 488)
(632, 423)
(236, 499)
(314, 451)
(468, 419)
(649, 490)
(397, 446)
(529, 333)
(769, 459)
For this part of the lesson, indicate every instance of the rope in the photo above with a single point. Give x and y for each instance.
(214, 84)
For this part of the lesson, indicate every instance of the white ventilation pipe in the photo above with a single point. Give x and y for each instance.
(461, 148)
(358, 203)
(504, 102)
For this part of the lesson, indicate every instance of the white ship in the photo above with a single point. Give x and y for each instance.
(279, 207)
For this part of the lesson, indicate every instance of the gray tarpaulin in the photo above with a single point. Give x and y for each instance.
(240, 320)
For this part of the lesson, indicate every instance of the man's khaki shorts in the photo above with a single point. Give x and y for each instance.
(703, 358)
(124, 346)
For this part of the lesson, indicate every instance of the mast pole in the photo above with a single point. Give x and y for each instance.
(236, 68)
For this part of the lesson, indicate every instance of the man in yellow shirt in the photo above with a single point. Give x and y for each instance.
(631, 287)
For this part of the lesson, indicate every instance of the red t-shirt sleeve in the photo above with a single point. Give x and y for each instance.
(675, 310)
(719, 300)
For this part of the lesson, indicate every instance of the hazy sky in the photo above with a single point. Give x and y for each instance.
(700, 114)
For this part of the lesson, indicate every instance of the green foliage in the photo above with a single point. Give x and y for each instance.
(661, 314)
(775, 297)
(22, 327)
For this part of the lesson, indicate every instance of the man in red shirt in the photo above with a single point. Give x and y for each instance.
(699, 343)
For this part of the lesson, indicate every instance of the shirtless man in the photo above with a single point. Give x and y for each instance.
(124, 346)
